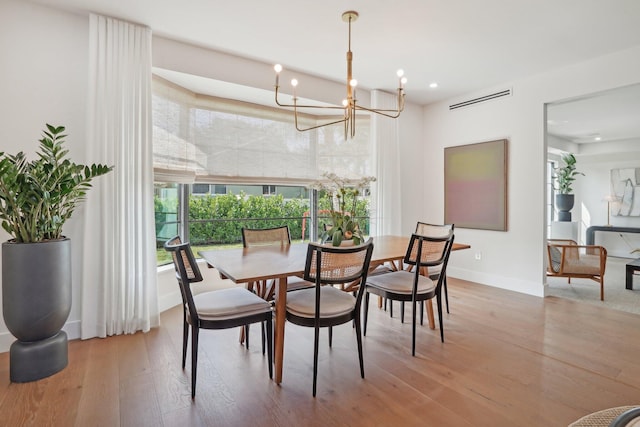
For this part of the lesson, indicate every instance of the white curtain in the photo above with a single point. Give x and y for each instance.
(119, 292)
(386, 206)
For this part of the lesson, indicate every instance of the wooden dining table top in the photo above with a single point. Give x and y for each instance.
(243, 265)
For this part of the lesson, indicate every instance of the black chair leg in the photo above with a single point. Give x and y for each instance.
(401, 311)
(413, 330)
(421, 313)
(390, 308)
(359, 340)
(446, 292)
(194, 360)
(366, 311)
(439, 301)
(263, 330)
(315, 358)
(330, 336)
(185, 338)
(269, 328)
(246, 336)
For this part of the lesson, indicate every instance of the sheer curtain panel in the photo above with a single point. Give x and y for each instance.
(119, 292)
(385, 192)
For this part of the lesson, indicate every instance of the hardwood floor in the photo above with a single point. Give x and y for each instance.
(508, 359)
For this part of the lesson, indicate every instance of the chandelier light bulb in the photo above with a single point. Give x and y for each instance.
(400, 73)
(345, 102)
(277, 68)
(294, 82)
(353, 83)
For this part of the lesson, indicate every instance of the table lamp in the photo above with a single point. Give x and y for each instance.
(610, 198)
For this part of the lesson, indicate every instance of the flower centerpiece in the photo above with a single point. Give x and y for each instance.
(343, 194)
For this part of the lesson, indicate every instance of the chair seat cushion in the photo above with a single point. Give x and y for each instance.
(333, 302)
(229, 303)
(295, 283)
(381, 269)
(401, 282)
(586, 264)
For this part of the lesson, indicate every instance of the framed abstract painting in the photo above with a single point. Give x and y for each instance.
(475, 185)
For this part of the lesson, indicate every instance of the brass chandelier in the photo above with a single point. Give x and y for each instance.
(350, 104)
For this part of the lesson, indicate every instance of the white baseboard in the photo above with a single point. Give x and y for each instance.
(508, 283)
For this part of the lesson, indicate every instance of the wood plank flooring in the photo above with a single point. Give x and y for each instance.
(508, 359)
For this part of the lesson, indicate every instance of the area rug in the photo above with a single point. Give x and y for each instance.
(616, 296)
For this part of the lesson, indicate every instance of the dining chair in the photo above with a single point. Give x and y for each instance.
(413, 286)
(220, 309)
(265, 289)
(433, 230)
(436, 230)
(325, 306)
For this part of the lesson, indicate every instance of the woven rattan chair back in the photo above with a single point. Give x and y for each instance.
(266, 236)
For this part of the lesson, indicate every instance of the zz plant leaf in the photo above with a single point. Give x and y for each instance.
(38, 197)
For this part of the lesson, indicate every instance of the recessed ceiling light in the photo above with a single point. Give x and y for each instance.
(433, 85)
(598, 138)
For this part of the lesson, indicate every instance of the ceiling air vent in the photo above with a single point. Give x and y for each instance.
(506, 92)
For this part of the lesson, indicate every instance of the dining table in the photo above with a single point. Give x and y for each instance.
(278, 262)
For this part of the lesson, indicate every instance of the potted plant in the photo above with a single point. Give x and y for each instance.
(343, 194)
(564, 176)
(36, 199)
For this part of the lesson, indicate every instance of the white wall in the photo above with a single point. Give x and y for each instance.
(44, 57)
(514, 259)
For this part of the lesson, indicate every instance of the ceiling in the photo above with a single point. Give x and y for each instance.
(463, 45)
(609, 116)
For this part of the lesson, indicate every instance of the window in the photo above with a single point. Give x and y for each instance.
(200, 189)
(216, 159)
(207, 220)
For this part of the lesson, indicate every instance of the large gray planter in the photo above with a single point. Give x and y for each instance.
(36, 301)
(564, 204)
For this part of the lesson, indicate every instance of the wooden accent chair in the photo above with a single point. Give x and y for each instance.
(568, 259)
(325, 305)
(221, 309)
(422, 251)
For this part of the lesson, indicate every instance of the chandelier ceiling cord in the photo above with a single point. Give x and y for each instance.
(350, 104)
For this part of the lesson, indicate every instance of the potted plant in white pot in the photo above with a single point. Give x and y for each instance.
(36, 199)
(565, 175)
